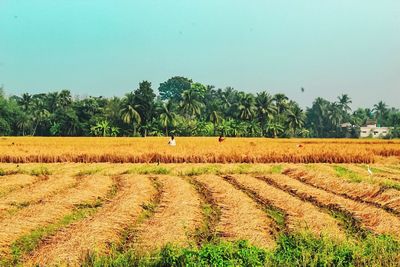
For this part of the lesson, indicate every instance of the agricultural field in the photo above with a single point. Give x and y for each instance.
(254, 202)
(195, 150)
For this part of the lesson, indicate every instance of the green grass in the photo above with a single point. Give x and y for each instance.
(88, 172)
(40, 171)
(195, 171)
(148, 169)
(300, 249)
(348, 174)
(391, 184)
(276, 169)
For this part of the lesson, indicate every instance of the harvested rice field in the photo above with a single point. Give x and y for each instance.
(82, 208)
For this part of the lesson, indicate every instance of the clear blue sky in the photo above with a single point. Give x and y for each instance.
(99, 47)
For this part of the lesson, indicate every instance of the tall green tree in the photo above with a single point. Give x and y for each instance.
(144, 97)
(266, 109)
(174, 87)
(246, 106)
(129, 112)
(167, 116)
(295, 118)
(380, 111)
(191, 104)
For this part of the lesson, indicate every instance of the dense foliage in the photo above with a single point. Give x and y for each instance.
(291, 250)
(186, 108)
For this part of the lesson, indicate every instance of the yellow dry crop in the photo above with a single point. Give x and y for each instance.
(194, 150)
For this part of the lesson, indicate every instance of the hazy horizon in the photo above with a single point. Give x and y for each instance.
(108, 47)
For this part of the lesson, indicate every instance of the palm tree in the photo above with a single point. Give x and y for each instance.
(190, 104)
(281, 102)
(246, 106)
(380, 111)
(39, 112)
(65, 98)
(265, 109)
(53, 101)
(295, 118)
(344, 102)
(24, 122)
(129, 111)
(167, 116)
(335, 115)
(215, 118)
(25, 101)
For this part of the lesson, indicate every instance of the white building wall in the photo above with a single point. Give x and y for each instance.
(375, 132)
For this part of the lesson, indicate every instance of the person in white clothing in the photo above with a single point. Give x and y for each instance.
(172, 141)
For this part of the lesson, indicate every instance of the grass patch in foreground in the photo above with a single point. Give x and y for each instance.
(291, 250)
(40, 171)
(348, 174)
(148, 169)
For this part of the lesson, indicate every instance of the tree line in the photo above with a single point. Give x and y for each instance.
(186, 108)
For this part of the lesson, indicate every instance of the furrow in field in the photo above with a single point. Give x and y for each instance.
(176, 218)
(10, 183)
(96, 233)
(50, 210)
(240, 217)
(371, 194)
(36, 192)
(370, 217)
(300, 215)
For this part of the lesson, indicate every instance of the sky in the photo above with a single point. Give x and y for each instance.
(106, 47)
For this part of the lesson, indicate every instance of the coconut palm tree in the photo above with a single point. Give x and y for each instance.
(281, 102)
(246, 106)
(167, 116)
(344, 102)
(39, 112)
(380, 110)
(129, 111)
(265, 109)
(295, 118)
(190, 104)
(25, 101)
(215, 118)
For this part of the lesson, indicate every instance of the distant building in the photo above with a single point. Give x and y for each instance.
(372, 130)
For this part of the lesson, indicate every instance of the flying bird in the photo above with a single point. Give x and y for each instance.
(302, 89)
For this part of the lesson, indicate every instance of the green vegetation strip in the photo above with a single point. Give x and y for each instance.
(348, 174)
(291, 250)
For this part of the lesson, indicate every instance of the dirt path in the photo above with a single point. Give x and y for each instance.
(51, 210)
(300, 215)
(176, 218)
(240, 217)
(387, 199)
(371, 218)
(71, 246)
